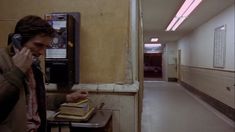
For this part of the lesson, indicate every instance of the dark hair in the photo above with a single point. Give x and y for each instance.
(30, 26)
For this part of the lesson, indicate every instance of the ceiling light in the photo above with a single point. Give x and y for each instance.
(154, 39)
(152, 48)
(183, 13)
(152, 45)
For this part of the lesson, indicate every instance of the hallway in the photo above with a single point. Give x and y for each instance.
(168, 107)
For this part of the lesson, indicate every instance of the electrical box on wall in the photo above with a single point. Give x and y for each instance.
(62, 56)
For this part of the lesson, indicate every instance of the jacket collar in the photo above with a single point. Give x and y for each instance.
(10, 50)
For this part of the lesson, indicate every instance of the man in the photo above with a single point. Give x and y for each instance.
(22, 91)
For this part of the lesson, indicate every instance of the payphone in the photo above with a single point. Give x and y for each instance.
(62, 56)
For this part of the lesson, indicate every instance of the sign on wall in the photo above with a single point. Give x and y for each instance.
(219, 46)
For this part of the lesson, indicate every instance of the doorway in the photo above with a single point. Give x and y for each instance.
(152, 66)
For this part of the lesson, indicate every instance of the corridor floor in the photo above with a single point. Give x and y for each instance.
(168, 107)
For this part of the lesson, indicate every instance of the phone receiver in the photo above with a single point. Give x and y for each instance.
(36, 62)
(16, 41)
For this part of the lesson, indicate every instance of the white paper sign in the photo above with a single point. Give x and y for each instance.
(219, 47)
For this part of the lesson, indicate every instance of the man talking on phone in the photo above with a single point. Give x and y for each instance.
(22, 91)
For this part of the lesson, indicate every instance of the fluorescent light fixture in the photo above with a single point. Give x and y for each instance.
(183, 13)
(172, 23)
(222, 28)
(152, 48)
(178, 23)
(154, 39)
(153, 45)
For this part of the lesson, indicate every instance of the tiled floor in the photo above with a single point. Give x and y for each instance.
(168, 107)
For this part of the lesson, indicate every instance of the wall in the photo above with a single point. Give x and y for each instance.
(121, 99)
(197, 59)
(171, 60)
(197, 47)
(104, 33)
(140, 65)
(108, 50)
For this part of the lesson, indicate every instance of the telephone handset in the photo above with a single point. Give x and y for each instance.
(16, 41)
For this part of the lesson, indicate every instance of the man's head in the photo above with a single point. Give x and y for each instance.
(36, 34)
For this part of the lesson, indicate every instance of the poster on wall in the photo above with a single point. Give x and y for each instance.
(219, 46)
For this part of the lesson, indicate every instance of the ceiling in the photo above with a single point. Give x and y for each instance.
(157, 14)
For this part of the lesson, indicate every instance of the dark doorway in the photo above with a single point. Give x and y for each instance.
(152, 65)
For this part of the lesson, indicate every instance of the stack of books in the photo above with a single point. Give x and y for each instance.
(81, 110)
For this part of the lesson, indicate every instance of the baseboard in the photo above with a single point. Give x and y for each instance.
(223, 108)
(172, 79)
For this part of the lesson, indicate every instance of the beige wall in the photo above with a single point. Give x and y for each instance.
(121, 99)
(197, 59)
(170, 60)
(104, 33)
(108, 53)
(211, 82)
(123, 107)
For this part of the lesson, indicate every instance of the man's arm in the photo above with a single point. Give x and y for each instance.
(10, 84)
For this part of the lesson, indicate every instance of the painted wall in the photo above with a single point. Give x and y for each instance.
(197, 59)
(171, 59)
(197, 47)
(108, 54)
(104, 33)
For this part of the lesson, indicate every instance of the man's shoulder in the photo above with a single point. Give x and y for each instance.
(4, 56)
(3, 52)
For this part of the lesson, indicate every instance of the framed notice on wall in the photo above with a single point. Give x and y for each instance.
(219, 47)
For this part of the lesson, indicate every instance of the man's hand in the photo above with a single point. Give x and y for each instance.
(77, 95)
(23, 59)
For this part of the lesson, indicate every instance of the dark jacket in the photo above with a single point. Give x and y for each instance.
(12, 95)
(13, 92)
